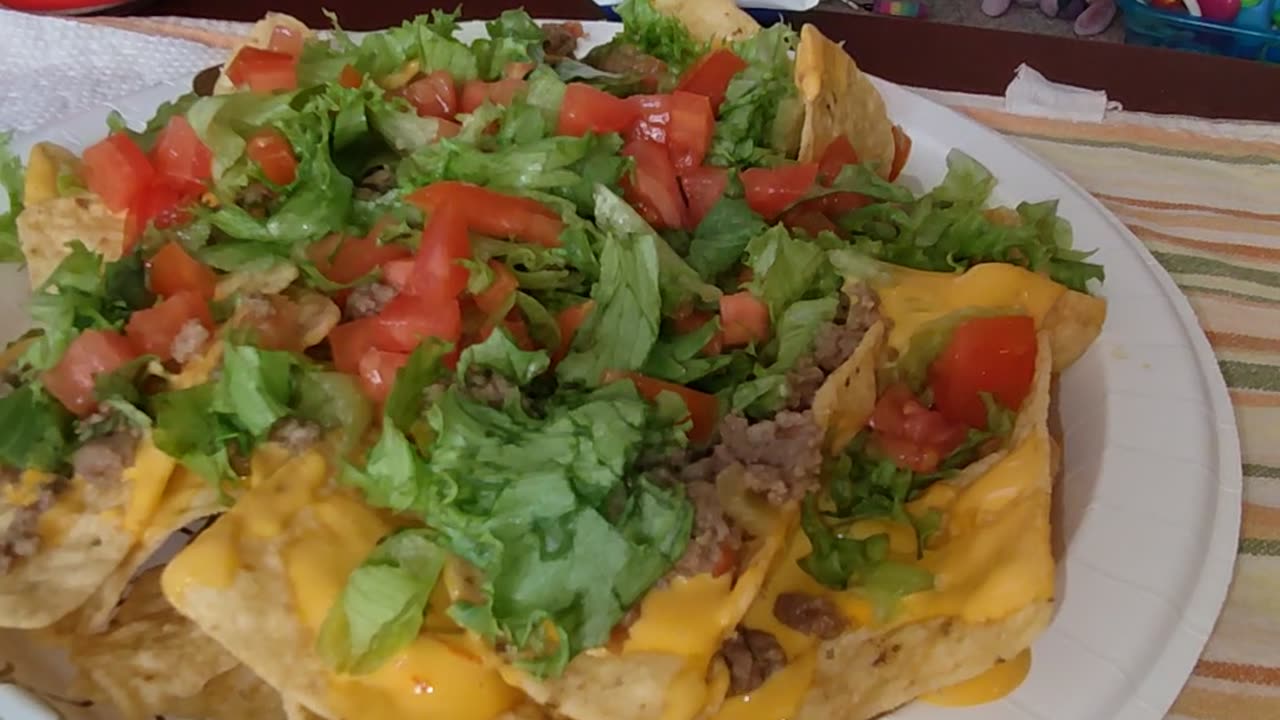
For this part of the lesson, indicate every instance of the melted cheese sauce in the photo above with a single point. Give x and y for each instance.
(325, 534)
(145, 482)
(55, 522)
(990, 686)
(915, 297)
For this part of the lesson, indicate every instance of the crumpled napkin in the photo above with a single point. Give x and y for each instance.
(1031, 93)
(52, 67)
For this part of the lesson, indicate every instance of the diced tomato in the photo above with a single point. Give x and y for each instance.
(437, 275)
(179, 153)
(703, 187)
(986, 354)
(152, 330)
(161, 204)
(517, 70)
(272, 152)
(378, 370)
(433, 95)
(408, 319)
(710, 76)
(704, 409)
(691, 322)
(653, 189)
(726, 561)
(263, 70)
(116, 170)
(569, 320)
(836, 204)
(911, 434)
(354, 257)
(173, 271)
(476, 93)
(285, 40)
(838, 154)
(350, 77)
(682, 121)
(516, 327)
(586, 109)
(769, 191)
(396, 273)
(91, 354)
(495, 298)
(493, 213)
(901, 152)
(744, 319)
(821, 213)
(348, 342)
(446, 128)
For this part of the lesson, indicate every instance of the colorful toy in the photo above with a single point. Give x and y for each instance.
(1219, 10)
(1255, 14)
(1090, 16)
(898, 8)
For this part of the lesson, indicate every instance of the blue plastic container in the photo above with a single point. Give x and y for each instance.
(1145, 25)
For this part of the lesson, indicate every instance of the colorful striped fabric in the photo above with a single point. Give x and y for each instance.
(1204, 197)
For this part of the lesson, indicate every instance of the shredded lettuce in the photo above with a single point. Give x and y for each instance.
(721, 238)
(759, 121)
(11, 182)
(619, 334)
(500, 354)
(37, 429)
(513, 38)
(382, 607)
(661, 36)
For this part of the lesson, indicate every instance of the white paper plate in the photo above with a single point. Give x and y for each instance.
(1148, 511)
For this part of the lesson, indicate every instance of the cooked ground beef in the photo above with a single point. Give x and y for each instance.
(782, 455)
(561, 39)
(489, 387)
(627, 59)
(368, 300)
(810, 614)
(752, 656)
(188, 342)
(295, 434)
(837, 340)
(803, 381)
(18, 537)
(255, 196)
(713, 535)
(375, 183)
(101, 461)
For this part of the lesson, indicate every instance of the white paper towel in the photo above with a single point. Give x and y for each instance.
(50, 67)
(1031, 93)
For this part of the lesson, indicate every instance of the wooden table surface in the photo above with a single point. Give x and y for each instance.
(911, 52)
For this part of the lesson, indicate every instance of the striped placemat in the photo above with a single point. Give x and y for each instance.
(1203, 196)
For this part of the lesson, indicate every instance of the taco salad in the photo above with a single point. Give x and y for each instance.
(410, 377)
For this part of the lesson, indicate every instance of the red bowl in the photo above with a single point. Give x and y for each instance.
(62, 7)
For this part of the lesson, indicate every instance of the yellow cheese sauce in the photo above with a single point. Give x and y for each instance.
(914, 297)
(324, 534)
(31, 483)
(55, 522)
(990, 686)
(145, 483)
(991, 559)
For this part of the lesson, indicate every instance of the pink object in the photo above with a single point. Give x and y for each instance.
(61, 7)
(1220, 10)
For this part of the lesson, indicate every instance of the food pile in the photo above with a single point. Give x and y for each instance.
(414, 377)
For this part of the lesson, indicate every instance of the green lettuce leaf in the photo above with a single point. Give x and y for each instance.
(661, 36)
(787, 269)
(37, 429)
(620, 332)
(382, 607)
(797, 330)
(334, 401)
(721, 238)
(11, 182)
(759, 120)
(680, 359)
(513, 37)
(500, 354)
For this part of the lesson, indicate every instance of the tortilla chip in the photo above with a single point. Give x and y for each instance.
(81, 544)
(186, 498)
(270, 281)
(713, 21)
(45, 163)
(317, 316)
(843, 405)
(840, 100)
(46, 229)
(259, 37)
(1073, 323)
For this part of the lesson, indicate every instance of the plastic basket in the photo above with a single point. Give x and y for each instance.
(1145, 25)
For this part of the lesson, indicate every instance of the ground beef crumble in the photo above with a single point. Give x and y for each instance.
(368, 300)
(752, 657)
(18, 525)
(561, 39)
(810, 614)
(102, 461)
(189, 341)
(295, 434)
